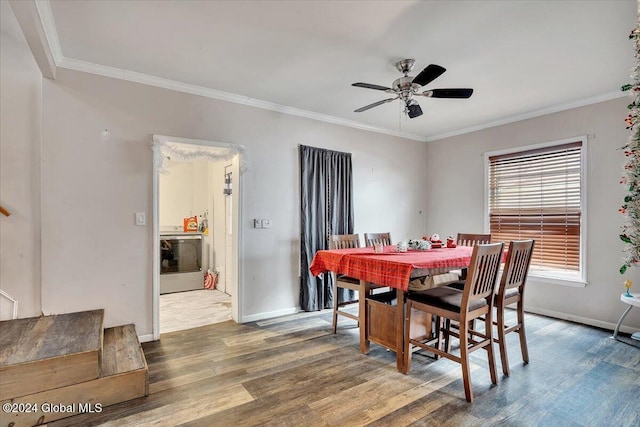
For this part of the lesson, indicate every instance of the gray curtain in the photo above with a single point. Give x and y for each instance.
(326, 200)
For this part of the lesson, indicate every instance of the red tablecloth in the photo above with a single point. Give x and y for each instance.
(390, 268)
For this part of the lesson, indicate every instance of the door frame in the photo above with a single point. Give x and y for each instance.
(202, 150)
(228, 199)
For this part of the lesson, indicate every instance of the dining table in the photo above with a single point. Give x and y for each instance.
(390, 268)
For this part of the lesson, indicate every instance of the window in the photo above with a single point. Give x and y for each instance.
(538, 193)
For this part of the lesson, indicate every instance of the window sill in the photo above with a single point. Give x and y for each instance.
(547, 280)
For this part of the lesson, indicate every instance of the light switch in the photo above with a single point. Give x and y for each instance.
(257, 223)
(266, 223)
(141, 218)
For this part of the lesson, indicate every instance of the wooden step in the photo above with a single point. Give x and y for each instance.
(43, 353)
(124, 377)
(122, 351)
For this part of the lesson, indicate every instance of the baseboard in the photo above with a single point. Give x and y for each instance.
(542, 311)
(269, 315)
(145, 338)
(579, 319)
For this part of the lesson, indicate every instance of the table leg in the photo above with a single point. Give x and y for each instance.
(365, 288)
(615, 332)
(400, 331)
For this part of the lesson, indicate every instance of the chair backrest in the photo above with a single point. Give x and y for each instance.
(344, 241)
(466, 239)
(483, 274)
(371, 238)
(517, 266)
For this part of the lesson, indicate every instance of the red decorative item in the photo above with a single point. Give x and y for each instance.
(436, 243)
(210, 279)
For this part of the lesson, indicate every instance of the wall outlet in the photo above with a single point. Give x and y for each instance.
(257, 223)
(141, 218)
(266, 223)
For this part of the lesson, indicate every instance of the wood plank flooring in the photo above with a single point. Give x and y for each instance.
(292, 371)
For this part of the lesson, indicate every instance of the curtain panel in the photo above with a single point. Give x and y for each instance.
(326, 201)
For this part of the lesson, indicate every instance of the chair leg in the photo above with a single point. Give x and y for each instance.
(407, 335)
(523, 336)
(502, 342)
(472, 326)
(334, 323)
(464, 360)
(447, 337)
(437, 335)
(488, 327)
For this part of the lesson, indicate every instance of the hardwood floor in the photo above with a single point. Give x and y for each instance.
(292, 371)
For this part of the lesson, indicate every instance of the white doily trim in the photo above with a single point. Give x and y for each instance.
(181, 149)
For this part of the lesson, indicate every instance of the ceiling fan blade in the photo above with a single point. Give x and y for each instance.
(448, 93)
(375, 104)
(372, 86)
(429, 74)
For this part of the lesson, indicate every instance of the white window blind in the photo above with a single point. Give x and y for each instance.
(536, 194)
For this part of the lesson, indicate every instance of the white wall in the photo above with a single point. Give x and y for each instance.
(456, 197)
(93, 254)
(88, 189)
(177, 195)
(20, 141)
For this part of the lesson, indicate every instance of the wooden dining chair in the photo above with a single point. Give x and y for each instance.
(462, 306)
(468, 239)
(510, 291)
(344, 241)
(371, 238)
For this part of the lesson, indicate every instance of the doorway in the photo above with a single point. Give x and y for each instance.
(190, 180)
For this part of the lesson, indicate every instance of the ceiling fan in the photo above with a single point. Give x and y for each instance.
(405, 88)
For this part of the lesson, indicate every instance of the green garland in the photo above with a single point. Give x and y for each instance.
(631, 206)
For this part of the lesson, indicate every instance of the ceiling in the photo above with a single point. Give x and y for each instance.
(522, 58)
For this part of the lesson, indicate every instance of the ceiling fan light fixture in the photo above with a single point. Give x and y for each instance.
(406, 87)
(413, 109)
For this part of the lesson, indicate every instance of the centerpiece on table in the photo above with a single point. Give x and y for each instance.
(419, 245)
(425, 243)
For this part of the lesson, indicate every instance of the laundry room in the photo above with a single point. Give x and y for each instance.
(195, 217)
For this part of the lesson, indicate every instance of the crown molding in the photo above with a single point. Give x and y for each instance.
(51, 37)
(132, 76)
(49, 25)
(37, 36)
(530, 115)
(52, 41)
